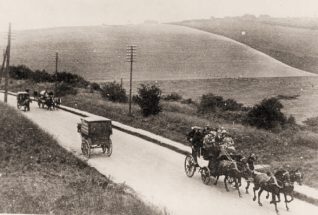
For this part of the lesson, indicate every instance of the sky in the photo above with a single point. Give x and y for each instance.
(30, 14)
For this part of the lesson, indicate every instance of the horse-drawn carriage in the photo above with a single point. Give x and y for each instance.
(48, 100)
(95, 132)
(23, 100)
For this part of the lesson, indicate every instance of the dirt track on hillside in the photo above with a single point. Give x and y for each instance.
(156, 173)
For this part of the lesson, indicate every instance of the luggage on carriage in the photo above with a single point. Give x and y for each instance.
(95, 132)
(23, 100)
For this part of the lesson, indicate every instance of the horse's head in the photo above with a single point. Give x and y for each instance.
(250, 161)
(297, 176)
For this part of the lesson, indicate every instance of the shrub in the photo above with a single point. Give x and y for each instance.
(148, 99)
(268, 115)
(209, 103)
(232, 105)
(63, 89)
(70, 78)
(42, 76)
(95, 86)
(172, 97)
(114, 92)
(20, 72)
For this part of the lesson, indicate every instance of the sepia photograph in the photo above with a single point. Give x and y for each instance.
(159, 107)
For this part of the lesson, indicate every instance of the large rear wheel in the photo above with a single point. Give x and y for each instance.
(86, 149)
(108, 148)
(189, 165)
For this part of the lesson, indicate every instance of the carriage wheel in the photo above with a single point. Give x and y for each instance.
(86, 149)
(205, 175)
(108, 148)
(189, 165)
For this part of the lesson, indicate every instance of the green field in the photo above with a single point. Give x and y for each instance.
(289, 40)
(164, 52)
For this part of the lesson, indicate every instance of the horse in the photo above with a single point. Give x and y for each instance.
(246, 166)
(286, 179)
(49, 102)
(267, 182)
(228, 168)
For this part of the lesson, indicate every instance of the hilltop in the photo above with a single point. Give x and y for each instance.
(164, 52)
(289, 40)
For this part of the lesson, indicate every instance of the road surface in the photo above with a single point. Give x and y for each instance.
(155, 173)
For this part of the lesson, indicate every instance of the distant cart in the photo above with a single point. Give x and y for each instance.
(95, 132)
(23, 101)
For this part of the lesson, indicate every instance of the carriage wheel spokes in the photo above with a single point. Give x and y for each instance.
(205, 175)
(189, 166)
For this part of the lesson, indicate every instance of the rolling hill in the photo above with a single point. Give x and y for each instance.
(164, 52)
(289, 40)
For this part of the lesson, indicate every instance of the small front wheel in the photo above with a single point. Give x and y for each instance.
(108, 148)
(205, 175)
(189, 165)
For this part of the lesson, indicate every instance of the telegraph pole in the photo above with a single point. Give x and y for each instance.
(6, 76)
(131, 55)
(3, 63)
(56, 70)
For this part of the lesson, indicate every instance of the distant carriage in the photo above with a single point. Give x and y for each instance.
(47, 99)
(23, 101)
(95, 133)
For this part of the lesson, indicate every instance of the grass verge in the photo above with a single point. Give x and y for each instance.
(39, 176)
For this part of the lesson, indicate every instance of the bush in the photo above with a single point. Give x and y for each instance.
(232, 105)
(42, 76)
(209, 103)
(268, 115)
(20, 72)
(172, 97)
(63, 89)
(148, 99)
(95, 86)
(70, 78)
(114, 92)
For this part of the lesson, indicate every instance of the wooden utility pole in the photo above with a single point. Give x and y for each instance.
(6, 76)
(56, 70)
(131, 55)
(3, 64)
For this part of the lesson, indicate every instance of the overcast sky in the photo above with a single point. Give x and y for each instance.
(25, 14)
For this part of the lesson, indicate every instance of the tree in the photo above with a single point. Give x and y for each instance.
(148, 99)
(114, 92)
(267, 114)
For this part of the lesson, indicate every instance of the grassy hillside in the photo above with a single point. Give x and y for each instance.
(38, 176)
(163, 52)
(292, 41)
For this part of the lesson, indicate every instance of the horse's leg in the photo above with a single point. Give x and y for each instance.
(254, 189)
(267, 196)
(237, 187)
(259, 196)
(274, 201)
(225, 184)
(247, 186)
(216, 180)
(286, 201)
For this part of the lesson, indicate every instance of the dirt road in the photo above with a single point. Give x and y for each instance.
(156, 173)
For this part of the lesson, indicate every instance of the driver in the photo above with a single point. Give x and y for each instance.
(195, 137)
